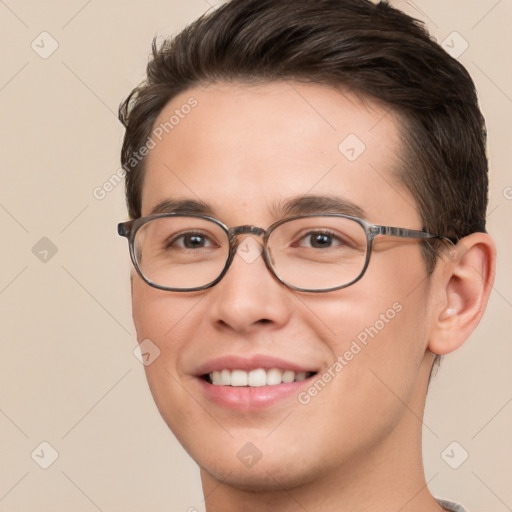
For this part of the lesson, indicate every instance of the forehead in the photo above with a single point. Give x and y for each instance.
(243, 148)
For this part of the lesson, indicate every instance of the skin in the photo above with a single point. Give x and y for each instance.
(357, 444)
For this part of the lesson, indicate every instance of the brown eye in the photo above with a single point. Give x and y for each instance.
(319, 240)
(191, 241)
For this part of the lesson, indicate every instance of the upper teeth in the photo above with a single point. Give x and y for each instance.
(254, 378)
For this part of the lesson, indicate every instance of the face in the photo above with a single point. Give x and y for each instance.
(245, 150)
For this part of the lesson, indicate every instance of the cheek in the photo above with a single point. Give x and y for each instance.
(159, 316)
(377, 328)
(156, 313)
(156, 316)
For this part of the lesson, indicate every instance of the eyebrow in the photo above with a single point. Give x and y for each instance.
(299, 205)
(185, 206)
(306, 204)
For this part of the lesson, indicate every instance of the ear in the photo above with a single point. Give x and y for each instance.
(465, 282)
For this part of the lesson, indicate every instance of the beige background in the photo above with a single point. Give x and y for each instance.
(68, 375)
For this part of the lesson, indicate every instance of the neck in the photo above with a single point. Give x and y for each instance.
(387, 477)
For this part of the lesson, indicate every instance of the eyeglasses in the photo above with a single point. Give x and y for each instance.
(310, 253)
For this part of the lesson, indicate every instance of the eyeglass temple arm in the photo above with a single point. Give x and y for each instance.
(407, 233)
(124, 228)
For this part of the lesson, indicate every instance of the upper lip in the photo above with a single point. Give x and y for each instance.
(236, 362)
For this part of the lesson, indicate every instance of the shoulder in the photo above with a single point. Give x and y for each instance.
(451, 505)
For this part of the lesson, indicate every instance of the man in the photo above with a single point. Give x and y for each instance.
(307, 182)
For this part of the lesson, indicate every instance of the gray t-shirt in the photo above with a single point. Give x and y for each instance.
(451, 505)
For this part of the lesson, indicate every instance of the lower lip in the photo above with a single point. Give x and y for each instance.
(251, 398)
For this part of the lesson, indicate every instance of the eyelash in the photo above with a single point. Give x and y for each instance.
(322, 232)
(336, 240)
(182, 236)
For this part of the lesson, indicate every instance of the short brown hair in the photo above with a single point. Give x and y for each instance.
(374, 50)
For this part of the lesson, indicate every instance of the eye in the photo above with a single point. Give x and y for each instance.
(191, 240)
(319, 240)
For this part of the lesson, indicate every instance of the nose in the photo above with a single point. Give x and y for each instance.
(249, 296)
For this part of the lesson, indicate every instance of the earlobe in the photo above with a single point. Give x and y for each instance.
(466, 279)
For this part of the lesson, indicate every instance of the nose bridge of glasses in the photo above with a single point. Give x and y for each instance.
(246, 229)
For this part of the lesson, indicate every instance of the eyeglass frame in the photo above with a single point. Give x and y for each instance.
(128, 229)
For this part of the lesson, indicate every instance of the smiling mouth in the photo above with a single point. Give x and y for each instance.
(255, 378)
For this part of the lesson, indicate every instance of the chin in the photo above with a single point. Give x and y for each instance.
(266, 476)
